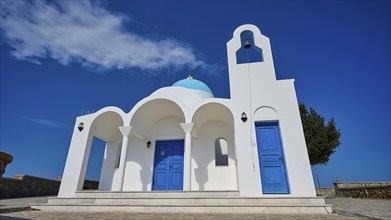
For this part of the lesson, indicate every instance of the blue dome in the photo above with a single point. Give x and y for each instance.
(191, 83)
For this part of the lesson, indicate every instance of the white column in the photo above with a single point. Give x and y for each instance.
(125, 131)
(77, 159)
(187, 127)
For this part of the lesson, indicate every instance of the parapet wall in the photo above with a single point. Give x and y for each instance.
(327, 192)
(373, 190)
(28, 186)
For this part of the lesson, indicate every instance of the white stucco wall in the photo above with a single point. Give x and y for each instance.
(138, 168)
(205, 174)
(254, 85)
(297, 165)
(110, 165)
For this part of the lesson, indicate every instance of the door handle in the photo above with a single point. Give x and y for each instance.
(280, 157)
(170, 167)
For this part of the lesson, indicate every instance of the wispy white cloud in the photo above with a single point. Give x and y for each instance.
(45, 122)
(86, 32)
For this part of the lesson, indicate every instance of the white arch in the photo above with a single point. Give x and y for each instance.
(265, 113)
(149, 99)
(227, 118)
(106, 121)
(257, 33)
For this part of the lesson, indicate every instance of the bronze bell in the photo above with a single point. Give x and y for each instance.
(247, 44)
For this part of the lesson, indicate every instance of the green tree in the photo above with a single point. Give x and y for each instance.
(322, 139)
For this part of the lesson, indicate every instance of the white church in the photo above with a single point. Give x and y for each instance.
(181, 142)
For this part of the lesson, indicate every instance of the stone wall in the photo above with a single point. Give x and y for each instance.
(373, 190)
(27, 186)
(90, 184)
(327, 192)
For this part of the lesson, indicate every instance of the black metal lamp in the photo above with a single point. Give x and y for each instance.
(80, 126)
(148, 144)
(244, 117)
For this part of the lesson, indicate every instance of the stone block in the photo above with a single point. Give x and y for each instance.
(371, 190)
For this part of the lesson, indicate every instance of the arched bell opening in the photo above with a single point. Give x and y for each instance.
(248, 52)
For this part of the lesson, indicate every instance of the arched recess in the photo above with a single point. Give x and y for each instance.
(265, 113)
(212, 121)
(156, 119)
(104, 146)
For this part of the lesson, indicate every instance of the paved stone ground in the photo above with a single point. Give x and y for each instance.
(10, 205)
(345, 208)
(370, 208)
(105, 215)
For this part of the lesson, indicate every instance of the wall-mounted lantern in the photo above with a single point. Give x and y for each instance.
(81, 126)
(244, 117)
(148, 144)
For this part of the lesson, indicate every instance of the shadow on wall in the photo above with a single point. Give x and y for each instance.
(139, 162)
(145, 175)
(208, 175)
(201, 175)
(203, 155)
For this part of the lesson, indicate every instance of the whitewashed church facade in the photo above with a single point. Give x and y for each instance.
(181, 138)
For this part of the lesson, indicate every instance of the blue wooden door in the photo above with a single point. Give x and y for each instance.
(168, 165)
(271, 159)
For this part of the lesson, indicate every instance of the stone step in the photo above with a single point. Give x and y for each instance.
(190, 201)
(183, 202)
(158, 194)
(188, 209)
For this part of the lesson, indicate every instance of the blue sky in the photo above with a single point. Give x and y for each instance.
(61, 59)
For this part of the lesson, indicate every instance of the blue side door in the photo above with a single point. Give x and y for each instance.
(271, 159)
(168, 165)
